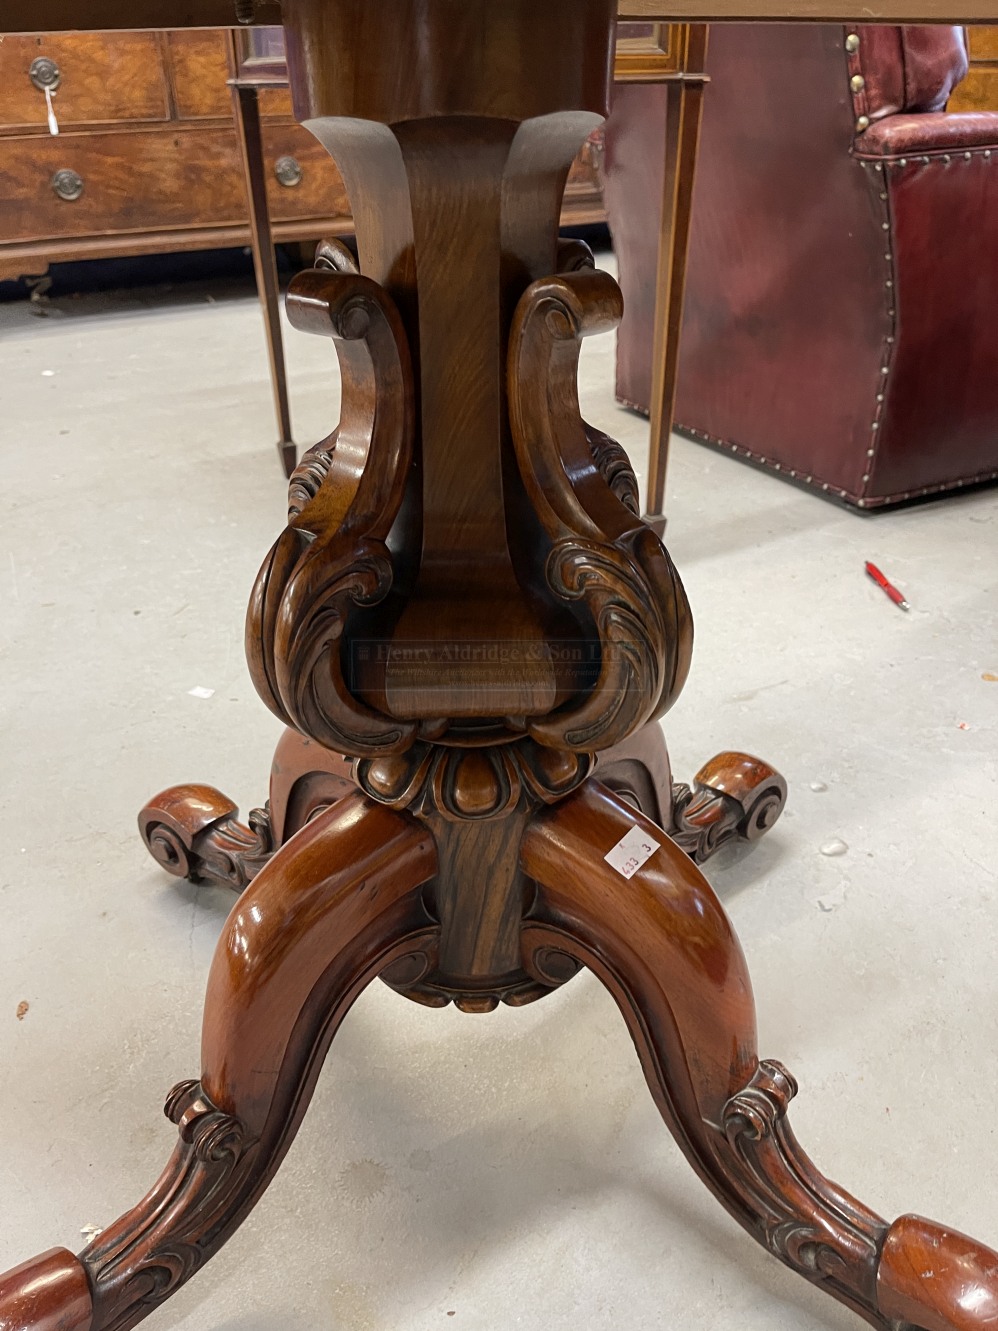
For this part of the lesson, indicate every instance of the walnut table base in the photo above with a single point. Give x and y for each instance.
(466, 602)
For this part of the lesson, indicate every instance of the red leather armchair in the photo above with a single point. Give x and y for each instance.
(841, 319)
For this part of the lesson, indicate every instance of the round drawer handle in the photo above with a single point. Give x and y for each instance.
(67, 184)
(288, 171)
(44, 73)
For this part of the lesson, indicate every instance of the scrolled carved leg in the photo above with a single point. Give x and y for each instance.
(662, 945)
(194, 832)
(733, 797)
(325, 916)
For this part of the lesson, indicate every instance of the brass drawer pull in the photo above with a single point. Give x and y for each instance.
(44, 73)
(288, 171)
(67, 184)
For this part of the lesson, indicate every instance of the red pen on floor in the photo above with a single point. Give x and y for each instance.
(888, 587)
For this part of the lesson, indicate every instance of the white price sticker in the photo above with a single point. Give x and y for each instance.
(631, 851)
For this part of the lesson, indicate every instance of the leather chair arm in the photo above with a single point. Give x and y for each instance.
(908, 135)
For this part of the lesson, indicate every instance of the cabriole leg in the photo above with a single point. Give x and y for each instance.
(662, 945)
(324, 917)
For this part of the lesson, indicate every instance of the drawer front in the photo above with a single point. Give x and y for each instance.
(275, 102)
(199, 70)
(315, 190)
(175, 178)
(978, 91)
(983, 42)
(102, 77)
(126, 182)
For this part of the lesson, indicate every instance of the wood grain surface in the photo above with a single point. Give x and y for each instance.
(58, 15)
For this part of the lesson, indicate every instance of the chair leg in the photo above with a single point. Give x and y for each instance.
(663, 946)
(326, 915)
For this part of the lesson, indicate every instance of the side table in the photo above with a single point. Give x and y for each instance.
(465, 601)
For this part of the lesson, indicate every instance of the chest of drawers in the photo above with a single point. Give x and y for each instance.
(146, 159)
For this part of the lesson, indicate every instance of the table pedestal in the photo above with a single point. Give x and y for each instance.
(465, 602)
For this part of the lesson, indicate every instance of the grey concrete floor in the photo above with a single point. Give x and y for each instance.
(507, 1171)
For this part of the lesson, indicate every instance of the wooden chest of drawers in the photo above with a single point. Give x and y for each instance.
(146, 159)
(979, 90)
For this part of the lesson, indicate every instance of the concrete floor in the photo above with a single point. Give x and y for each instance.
(507, 1171)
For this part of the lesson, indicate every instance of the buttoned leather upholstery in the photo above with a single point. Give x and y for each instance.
(841, 318)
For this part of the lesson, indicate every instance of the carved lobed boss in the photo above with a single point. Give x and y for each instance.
(465, 603)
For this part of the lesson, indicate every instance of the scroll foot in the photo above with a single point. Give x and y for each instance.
(734, 797)
(194, 833)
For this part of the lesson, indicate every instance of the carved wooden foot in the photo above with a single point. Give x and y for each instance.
(194, 831)
(321, 920)
(733, 797)
(662, 945)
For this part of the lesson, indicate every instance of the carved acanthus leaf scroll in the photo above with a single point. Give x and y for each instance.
(333, 558)
(805, 1220)
(140, 1260)
(603, 558)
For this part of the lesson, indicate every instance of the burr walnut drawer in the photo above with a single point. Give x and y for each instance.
(98, 77)
(79, 184)
(199, 69)
(119, 181)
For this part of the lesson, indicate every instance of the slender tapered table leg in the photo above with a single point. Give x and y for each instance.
(246, 112)
(684, 100)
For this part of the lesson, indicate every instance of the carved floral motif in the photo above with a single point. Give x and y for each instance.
(475, 782)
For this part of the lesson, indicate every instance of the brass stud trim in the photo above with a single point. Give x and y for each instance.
(857, 83)
(852, 42)
(863, 123)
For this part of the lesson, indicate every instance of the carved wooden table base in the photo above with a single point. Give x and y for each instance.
(465, 601)
(194, 831)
